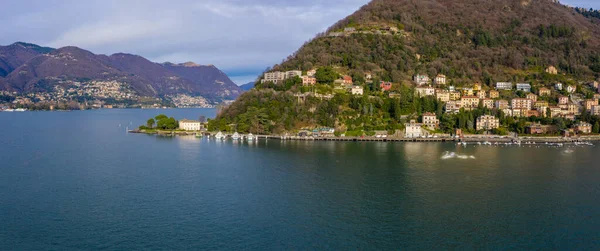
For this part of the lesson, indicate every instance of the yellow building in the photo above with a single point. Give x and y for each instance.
(443, 96)
(494, 94)
(455, 96)
(487, 122)
(488, 103)
(469, 102)
(467, 91)
(533, 97)
(481, 94)
(544, 92)
(590, 103)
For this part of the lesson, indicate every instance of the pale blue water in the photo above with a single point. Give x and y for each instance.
(76, 180)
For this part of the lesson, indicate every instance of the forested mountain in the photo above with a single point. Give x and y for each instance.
(28, 68)
(469, 41)
(16, 54)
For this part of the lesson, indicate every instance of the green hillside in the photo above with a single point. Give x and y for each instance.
(469, 41)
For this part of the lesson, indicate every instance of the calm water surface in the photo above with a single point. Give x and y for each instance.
(76, 180)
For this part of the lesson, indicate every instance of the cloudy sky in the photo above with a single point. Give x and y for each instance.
(241, 37)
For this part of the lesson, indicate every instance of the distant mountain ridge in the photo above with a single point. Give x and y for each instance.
(28, 67)
(247, 86)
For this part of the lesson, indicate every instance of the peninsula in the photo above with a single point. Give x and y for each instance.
(426, 68)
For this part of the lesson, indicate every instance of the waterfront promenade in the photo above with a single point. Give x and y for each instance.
(466, 138)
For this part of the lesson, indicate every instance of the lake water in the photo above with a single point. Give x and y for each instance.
(76, 180)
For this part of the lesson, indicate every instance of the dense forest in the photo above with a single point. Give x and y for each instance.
(480, 46)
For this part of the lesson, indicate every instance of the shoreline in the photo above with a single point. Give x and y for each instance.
(467, 139)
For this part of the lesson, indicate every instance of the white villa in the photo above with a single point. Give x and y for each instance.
(190, 125)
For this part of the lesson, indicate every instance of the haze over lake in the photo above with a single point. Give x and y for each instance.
(77, 180)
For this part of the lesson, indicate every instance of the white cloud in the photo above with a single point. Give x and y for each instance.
(236, 36)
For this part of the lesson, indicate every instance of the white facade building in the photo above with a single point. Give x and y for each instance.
(440, 79)
(413, 130)
(274, 77)
(291, 74)
(504, 86)
(526, 87)
(421, 79)
(425, 91)
(357, 90)
(190, 125)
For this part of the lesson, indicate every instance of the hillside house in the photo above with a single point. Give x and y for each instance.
(542, 110)
(469, 102)
(442, 95)
(563, 100)
(468, 92)
(573, 109)
(595, 110)
(293, 74)
(504, 86)
(440, 79)
(275, 77)
(488, 103)
(521, 103)
(524, 87)
(453, 106)
(487, 123)
(425, 91)
(494, 94)
(481, 94)
(555, 111)
(537, 128)
(454, 95)
(347, 80)
(544, 91)
(413, 130)
(537, 105)
(551, 70)
(558, 86)
(589, 103)
(308, 81)
(431, 121)
(583, 127)
(385, 86)
(357, 90)
(532, 96)
(501, 104)
(421, 79)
